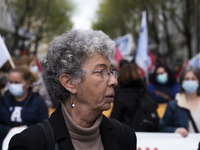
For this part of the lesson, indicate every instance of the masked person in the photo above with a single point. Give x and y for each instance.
(38, 86)
(163, 86)
(182, 114)
(20, 106)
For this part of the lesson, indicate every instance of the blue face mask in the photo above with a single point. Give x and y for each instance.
(34, 68)
(161, 78)
(190, 86)
(16, 89)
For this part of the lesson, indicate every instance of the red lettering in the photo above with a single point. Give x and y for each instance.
(139, 148)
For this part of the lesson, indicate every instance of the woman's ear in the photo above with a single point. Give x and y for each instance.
(67, 83)
(27, 85)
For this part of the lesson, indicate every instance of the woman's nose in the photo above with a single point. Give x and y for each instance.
(112, 81)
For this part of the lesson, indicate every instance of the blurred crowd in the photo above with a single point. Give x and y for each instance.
(25, 99)
(137, 101)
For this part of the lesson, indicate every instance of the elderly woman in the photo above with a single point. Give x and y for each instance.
(77, 72)
(182, 114)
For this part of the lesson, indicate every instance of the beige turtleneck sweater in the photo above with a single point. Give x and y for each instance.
(83, 138)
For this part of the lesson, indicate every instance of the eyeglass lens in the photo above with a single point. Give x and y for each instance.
(106, 74)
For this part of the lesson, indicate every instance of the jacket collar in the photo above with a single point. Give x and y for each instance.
(110, 140)
(181, 100)
(60, 130)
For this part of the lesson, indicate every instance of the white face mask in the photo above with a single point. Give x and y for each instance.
(16, 89)
(190, 86)
(162, 78)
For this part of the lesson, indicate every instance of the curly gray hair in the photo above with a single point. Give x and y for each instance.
(67, 54)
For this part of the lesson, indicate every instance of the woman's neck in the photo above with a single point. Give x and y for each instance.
(192, 97)
(82, 116)
(22, 98)
(193, 101)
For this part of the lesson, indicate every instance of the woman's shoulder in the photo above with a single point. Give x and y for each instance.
(150, 87)
(173, 104)
(124, 131)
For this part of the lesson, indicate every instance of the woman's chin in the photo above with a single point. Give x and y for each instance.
(106, 106)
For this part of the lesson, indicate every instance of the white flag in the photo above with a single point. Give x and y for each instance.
(195, 61)
(4, 54)
(125, 44)
(142, 54)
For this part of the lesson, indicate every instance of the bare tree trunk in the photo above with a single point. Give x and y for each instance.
(38, 38)
(168, 43)
(187, 27)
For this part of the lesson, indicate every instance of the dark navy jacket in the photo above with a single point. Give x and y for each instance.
(174, 118)
(34, 110)
(168, 89)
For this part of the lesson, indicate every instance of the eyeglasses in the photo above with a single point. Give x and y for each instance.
(104, 73)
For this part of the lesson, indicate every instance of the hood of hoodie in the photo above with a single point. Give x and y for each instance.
(181, 100)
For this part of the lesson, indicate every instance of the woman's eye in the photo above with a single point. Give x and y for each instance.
(98, 72)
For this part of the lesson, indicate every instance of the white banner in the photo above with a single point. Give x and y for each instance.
(10, 134)
(166, 141)
(4, 54)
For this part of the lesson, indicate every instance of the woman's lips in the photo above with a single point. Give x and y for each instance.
(110, 98)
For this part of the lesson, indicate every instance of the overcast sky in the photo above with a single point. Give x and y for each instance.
(84, 13)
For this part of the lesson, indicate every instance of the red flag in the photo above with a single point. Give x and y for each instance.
(179, 72)
(142, 73)
(118, 56)
(153, 62)
(38, 64)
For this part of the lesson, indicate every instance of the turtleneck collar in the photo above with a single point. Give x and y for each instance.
(73, 126)
(83, 138)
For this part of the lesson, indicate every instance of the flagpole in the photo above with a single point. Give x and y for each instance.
(11, 62)
(147, 77)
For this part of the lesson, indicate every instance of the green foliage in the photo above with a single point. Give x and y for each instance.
(114, 17)
(44, 18)
(166, 20)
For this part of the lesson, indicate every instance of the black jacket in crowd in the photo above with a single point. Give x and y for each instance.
(133, 105)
